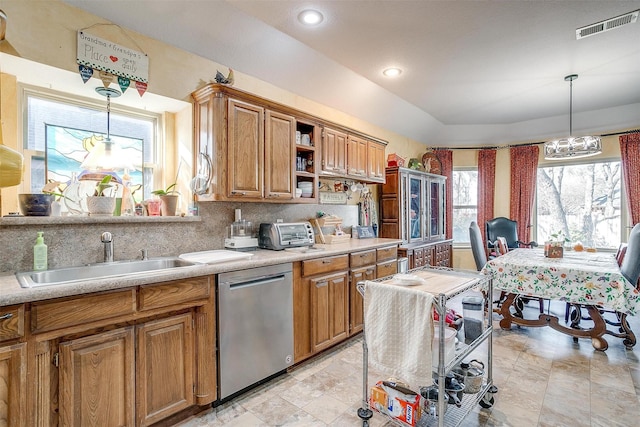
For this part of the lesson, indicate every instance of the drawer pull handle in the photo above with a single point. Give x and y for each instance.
(6, 316)
(322, 284)
(326, 261)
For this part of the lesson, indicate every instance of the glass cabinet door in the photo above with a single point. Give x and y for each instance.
(416, 208)
(436, 209)
(403, 219)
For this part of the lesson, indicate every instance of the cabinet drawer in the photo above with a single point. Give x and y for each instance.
(170, 293)
(11, 322)
(387, 253)
(360, 259)
(387, 268)
(325, 265)
(50, 315)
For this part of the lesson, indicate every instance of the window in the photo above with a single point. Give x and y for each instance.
(465, 203)
(582, 201)
(61, 131)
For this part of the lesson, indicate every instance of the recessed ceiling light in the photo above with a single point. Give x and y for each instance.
(392, 72)
(310, 17)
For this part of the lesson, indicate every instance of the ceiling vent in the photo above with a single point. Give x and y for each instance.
(609, 24)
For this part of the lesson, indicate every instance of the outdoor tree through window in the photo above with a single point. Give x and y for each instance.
(581, 201)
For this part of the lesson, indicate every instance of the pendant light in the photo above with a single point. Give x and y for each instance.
(106, 154)
(572, 147)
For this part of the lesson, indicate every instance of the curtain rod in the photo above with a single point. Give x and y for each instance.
(500, 147)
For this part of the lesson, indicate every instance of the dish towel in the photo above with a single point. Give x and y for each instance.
(398, 324)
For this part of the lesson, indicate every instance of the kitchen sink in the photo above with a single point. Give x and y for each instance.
(62, 276)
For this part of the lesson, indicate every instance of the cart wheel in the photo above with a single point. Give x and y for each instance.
(487, 401)
(365, 415)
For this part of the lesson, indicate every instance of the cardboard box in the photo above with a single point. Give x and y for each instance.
(396, 401)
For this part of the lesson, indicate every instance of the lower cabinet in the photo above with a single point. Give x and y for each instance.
(149, 356)
(356, 318)
(97, 380)
(438, 254)
(165, 368)
(329, 310)
(13, 388)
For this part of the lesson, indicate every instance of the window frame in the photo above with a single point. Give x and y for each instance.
(26, 91)
(465, 244)
(625, 227)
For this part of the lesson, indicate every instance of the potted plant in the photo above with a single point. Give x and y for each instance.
(101, 203)
(554, 248)
(169, 197)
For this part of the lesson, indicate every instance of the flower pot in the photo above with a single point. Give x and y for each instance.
(99, 205)
(169, 204)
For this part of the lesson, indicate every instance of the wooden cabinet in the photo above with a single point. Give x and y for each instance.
(126, 357)
(165, 367)
(251, 144)
(321, 304)
(97, 380)
(334, 152)
(375, 161)
(329, 310)
(13, 384)
(413, 209)
(357, 157)
(363, 267)
(307, 157)
(245, 150)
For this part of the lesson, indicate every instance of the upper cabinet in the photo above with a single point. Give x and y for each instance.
(262, 151)
(413, 206)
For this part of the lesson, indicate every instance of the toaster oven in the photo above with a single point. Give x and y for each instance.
(281, 235)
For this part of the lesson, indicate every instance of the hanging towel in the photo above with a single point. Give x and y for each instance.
(398, 324)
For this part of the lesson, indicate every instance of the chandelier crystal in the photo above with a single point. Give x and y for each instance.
(572, 147)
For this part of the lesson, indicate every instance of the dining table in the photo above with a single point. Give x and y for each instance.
(589, 280)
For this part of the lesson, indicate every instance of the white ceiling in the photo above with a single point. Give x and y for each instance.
(475, 72)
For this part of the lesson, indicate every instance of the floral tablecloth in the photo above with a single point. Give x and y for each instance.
(578, 277)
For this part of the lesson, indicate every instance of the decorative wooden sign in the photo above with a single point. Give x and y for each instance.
(101, 54)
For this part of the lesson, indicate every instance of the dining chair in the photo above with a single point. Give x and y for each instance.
(630, 267)
(628, 258)
(507, 228)
(477, 247)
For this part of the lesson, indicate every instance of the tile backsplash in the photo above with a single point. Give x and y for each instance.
(79, 244)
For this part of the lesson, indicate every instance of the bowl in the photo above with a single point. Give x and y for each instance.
(35, 204)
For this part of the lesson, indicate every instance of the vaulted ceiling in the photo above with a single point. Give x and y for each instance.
(474, 72)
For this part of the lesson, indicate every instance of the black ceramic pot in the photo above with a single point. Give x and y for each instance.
(35, 204)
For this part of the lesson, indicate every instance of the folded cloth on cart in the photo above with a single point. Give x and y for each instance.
(398, 331)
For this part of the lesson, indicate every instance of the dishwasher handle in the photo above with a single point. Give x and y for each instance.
(255, 281)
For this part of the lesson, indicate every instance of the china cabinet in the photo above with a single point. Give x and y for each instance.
(413, 209)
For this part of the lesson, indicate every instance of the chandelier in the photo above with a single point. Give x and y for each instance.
(572, 147)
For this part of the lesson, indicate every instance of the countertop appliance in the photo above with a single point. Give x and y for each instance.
(281, 235)
(255, 308)
(241, 235)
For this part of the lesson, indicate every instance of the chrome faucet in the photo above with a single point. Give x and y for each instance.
(107, 239)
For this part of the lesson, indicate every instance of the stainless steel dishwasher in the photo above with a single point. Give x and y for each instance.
(255, 308)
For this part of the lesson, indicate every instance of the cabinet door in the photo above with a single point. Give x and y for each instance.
(356, 157)
(436, 209)
(416, 213)
(356, 315)
(375, 161)
(334, 151)
(13, 385)
(279, 155)
(418, 258)
(245, 154)
(97, 380)
(164, 367)
(329, 310)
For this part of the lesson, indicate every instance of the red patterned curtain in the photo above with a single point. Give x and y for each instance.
(630, 154)
(446, 164)
(486, 187)
(524, 168)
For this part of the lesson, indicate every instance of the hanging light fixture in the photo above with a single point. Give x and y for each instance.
(572, 147)
(106, 154)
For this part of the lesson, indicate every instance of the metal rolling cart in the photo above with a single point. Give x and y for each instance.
(461, 282)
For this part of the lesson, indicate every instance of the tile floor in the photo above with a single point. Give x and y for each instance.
(544, 379)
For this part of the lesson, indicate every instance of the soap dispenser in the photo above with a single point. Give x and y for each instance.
(40, 253)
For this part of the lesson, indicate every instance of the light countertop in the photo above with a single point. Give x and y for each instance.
(12, 293)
